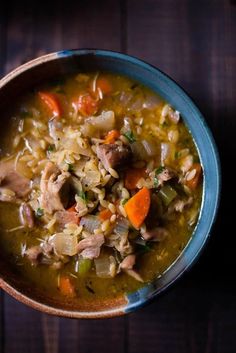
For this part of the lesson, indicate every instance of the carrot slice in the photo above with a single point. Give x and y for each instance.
(87, 105)
(66, 287)
(52, 102)
(104, 85)
(112, 136)
(193, 183)
(138, 206)
(105, 214)
(132, 176)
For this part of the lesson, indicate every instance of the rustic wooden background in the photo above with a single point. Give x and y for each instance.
(195, 43)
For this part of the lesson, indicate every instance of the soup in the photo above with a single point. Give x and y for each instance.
(100, 189)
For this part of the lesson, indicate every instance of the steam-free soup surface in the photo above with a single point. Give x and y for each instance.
(100, 186)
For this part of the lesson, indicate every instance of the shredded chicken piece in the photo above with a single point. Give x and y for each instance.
(165, 175)
(12, 180)
(90, 247)
(65, 217)
(51, 185)
(127, 266)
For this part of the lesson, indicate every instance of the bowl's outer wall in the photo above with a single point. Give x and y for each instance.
(44, 68)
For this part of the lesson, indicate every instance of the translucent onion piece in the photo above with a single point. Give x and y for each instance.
(64, 244)
(103, 122)
(122, 227)
(150, 148)
(139, 151)
(90, 223)
(91, 179)
(105, 267)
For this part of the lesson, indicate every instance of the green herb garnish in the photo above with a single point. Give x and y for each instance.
(130, 136)
(176, 155)
(51, 148)
(158, 171)
(70, 168)
(143, 248)
(24, 114)
(123, 202)
(83, 196)
(39, 212)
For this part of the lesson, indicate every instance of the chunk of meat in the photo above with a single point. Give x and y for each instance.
(26, 215)
(127, 266)
(54, 188)
(123, 245)
(156, 234)
(65, 217)
(34, 254)
(12, 180)
(113, 156)
(90, 247)
(128, 262)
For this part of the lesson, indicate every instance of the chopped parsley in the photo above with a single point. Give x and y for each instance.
(39, 212)
(176, 155)
(83, 196)
(51, 148)
(158, 171)
(70, 168)
(143, 248)
(130, 136)
(124, 201)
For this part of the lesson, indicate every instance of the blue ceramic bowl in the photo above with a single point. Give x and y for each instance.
(69, 61)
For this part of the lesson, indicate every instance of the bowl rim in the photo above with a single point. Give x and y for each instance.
(140, 301)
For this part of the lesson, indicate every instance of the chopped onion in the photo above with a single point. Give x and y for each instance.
(90, 223)
(122, 227)
(64, 244)
(91, 179)
(150, 147)
(167, 152)
(105, 267)
(151, 102)
(103, 122)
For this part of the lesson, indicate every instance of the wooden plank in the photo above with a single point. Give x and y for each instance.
(23, 328)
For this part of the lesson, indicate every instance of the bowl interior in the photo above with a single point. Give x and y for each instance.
(44, 68)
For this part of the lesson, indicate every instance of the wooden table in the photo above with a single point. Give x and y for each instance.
(195, 43)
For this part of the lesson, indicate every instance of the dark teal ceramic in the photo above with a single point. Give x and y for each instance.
(68, 61)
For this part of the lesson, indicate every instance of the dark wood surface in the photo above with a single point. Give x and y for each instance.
(195, 43)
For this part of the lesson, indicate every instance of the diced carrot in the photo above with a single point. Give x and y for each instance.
(73, 209)
(66, 286)
(87, 105)
(105, 214)
(104, 85)
(112, 136)
(132, 176)
(138, 206)
(52, 102)
(193, 183)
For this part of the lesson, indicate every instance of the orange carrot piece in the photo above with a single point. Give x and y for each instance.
(104, 85)
(193, 183)
(87, 105)
(52, 102)
(66, 286)
(112, 136)
(132, 176)
(138, 206)
(105, 214)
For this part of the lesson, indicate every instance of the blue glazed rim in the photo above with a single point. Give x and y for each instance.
(168, 89)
